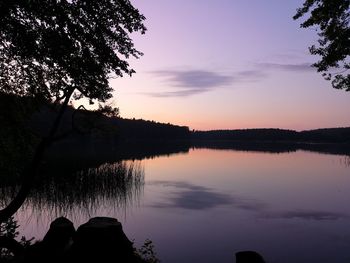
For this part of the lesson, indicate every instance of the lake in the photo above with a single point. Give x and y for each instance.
(204, 205)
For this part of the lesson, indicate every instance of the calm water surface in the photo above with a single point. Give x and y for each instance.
(205, 205)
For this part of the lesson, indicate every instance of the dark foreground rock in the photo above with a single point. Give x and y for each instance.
(60, 234)
(249, 257)
(101, 239)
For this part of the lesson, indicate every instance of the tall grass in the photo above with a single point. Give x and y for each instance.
(111, 186)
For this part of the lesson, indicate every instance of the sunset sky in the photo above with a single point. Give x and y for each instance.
(228, 64)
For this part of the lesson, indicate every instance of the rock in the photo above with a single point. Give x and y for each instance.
(56, 244)
(102, 239)
(249, 257)
(60, 234)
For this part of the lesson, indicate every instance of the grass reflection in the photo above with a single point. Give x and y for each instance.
(111, 185)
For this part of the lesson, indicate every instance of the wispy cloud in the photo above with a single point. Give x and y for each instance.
(186, 83)
(192, 82)
(195, 78)
(250, 75)
(178, 93)
(301, 67)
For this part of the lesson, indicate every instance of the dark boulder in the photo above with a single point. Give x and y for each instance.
(56, 244)
(249, 257)
(60, 234)
(102, 239)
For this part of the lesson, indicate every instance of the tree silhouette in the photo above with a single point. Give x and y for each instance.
(55, 50)
(332, 21)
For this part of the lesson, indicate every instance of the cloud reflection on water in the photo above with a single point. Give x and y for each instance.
(189, 196)
(306, 215)
(183, 195)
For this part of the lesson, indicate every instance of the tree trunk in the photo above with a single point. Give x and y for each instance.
(32, 170)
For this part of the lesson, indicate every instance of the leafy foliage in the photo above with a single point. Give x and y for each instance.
(56, 49)
(9, 229)
(51, 48)
(147, 252)
(108, 110)
(332, 21)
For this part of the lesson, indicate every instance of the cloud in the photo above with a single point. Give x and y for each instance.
(201, 79)
(250, 75)
(193, 197)
(301, 67)
(179, 93)
(192, 82)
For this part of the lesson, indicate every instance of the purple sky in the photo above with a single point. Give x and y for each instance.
(228, 64)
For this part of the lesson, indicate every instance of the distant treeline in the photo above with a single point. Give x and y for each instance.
(131, 129)
(83, 124)
(84, 137)
(91, 137)
(330, 135)
(98, 137)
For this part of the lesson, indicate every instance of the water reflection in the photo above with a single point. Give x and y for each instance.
(190, 196)
(182, 195)
(291, 207)
(307, 215)
(116, 185)
(345, 160)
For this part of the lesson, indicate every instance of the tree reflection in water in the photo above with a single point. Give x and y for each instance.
(112, 186)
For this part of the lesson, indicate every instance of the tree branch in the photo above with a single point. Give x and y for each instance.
(32, 170)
